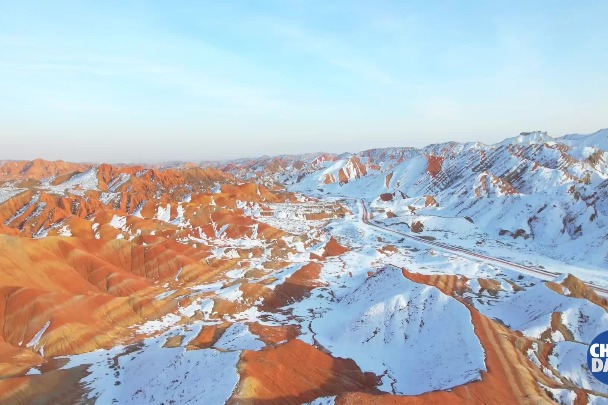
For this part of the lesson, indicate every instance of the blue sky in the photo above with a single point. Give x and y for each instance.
(134, 81)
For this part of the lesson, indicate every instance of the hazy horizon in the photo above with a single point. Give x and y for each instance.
(146, 82)
(246, 157)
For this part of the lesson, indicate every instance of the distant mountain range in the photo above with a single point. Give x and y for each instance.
(550, 191)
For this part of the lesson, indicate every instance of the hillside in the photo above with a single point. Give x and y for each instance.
(455, 273)
(548, 192)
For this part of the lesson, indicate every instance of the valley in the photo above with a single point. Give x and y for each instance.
(454, 273)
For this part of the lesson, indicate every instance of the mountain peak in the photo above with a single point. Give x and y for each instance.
(528, 137)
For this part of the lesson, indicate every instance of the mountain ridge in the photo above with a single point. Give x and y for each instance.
(294, 279)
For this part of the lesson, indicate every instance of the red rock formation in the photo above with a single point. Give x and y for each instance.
(417, 227)
(296, 287)
(38, 169)
(387, 180)
(296, 372)
(85, 291)
(429, 201)
(334, 248)
(435, 164)
(353, 169)
(386, 196)
(578, 289)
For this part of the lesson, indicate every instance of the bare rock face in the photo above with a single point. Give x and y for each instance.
(386, 196)
(295, 373)
(429, 201)
(334, 248)
(434, 164)
(296, 287)
(417, 227)
(519, 233)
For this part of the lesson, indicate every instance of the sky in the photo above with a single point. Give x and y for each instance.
(151, 81)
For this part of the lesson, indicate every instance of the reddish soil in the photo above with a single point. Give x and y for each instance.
(297, 287)
(334, 248)
(435, 164)
(296, 372)
(429, 201)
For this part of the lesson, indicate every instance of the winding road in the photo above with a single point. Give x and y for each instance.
(540, 273)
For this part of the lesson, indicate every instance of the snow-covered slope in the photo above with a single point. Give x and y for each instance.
(597, 139)
(548, 192)
(389, 325)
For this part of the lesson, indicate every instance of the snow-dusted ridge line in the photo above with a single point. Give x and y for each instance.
(597, 139)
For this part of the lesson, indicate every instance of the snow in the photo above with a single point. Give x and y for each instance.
(137, 212)
(219, 233)
(597, 400)
(561, 396)
(540, 178)
(165, 294)
(530, 311)
(154, 325)
(119, 222)
(291, 218)
(534, 137)
(95, 228)
(180, 220)
(570, 359)
(232, 293)
(178, 273)
(204, 305)
(415, 338)
(106, 198)
(236, 273)
(323, 401)
(116, 183)
(164, 214)
(418, 337)
(597, 139)
(23, 209)
(411, 335)
(36, 339)
(238, 337)
(33, 371)
(78, 184)
(207, 307)
(8, 192)
(65, 231)
(154, 374)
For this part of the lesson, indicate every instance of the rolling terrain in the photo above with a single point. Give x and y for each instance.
(455, 273)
